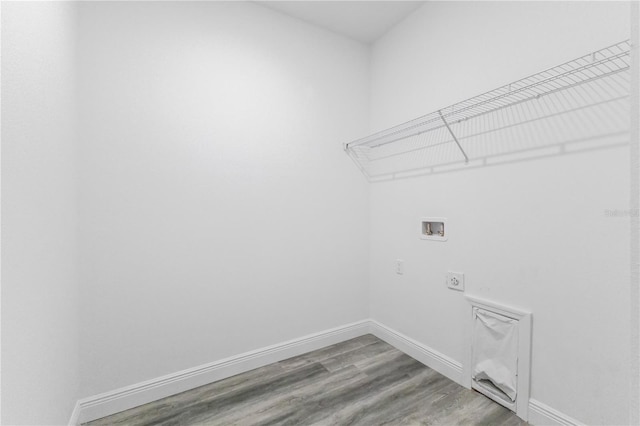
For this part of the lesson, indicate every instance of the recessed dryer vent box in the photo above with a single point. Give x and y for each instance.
(434, 228)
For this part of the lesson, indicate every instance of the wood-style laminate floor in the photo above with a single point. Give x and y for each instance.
(363, 381)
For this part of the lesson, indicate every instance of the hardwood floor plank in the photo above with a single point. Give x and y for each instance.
(386, 406)
(329, 352)
(217, 397)
(323, 405)
(271, 407)
(361, 355)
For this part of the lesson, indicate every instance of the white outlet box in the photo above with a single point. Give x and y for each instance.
(399, 266)
(455, 280)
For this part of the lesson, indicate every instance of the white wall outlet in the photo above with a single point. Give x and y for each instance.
(399, 266)
(455, 280)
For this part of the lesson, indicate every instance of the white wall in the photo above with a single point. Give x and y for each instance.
(522, 232)
(39, 213)
(219, 213)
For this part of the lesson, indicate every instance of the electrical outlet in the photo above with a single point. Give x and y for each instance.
(455, 280)
(399, 266)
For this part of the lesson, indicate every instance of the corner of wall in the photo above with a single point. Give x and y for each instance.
(634, 392)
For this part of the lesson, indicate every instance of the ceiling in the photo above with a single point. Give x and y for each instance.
(365, 21)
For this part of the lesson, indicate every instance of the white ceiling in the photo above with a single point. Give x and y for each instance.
(364, 21)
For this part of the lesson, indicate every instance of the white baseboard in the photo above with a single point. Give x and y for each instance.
(75, 415)
(108, 403)
(543, 415)
(430, 357)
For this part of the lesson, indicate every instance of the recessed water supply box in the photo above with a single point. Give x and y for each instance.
(434, 228)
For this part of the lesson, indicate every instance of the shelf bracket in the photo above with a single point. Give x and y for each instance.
(466, 159)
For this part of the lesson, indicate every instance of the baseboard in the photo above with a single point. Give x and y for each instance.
(108, 403)
(543, 415)
(75, 415)
(430, 357)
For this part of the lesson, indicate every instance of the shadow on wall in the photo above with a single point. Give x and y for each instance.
(579, 106)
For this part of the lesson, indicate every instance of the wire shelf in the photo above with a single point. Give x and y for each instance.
(578, 102)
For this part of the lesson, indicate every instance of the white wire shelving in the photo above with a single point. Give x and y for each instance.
(581, 102)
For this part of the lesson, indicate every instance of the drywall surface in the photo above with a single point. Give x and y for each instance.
(533, 234)
(219, 213)
(40, 368)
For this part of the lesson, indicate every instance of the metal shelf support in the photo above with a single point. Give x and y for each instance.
(466, 159)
